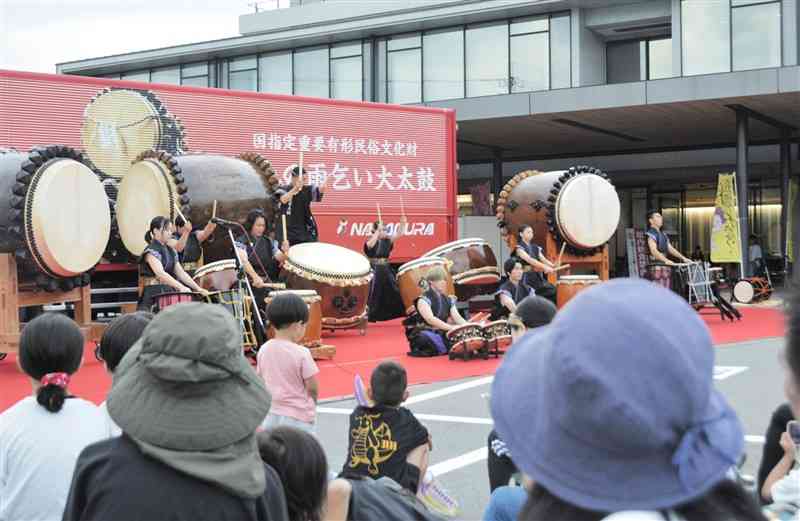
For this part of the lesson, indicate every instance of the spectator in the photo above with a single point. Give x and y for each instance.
(42, 435)
(188, 403)
(612, 408)
(118, 338)
(756, 255)
(772, 451)
(300, 462)
(288, 370)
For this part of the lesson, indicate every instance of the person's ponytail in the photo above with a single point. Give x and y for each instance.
(148, 237)
(51, 397)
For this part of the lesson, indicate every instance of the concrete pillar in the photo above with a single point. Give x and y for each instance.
(786, 172)
(497, 174)
(742, 137)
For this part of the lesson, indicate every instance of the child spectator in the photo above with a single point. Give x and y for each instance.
(118, 338)
(288, 370)
(42, 435)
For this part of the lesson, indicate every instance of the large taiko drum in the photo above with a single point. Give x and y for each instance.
(313, 334)
(411, 279)
(339, 275)
(158, 183)
(578, 206)
(570, 285)
(119, 124)
(474, 266)
(54, 215)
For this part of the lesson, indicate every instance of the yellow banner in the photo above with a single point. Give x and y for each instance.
(790, 224)
(725, 237)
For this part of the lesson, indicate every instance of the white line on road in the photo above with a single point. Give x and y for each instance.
(458, 462)
(427, 417)
(449, 390)
(721, 372)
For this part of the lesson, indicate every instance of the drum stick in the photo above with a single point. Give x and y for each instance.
(300, 166)
(402, 207)
(214, 210)
(378, 205)
(283, 220)
(180, 213)
(565, 266)
(561, 253)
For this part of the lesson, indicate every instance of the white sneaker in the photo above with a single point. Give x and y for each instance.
(436, 498)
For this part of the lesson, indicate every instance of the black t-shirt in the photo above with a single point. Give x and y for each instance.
(535, 279)
(660, 238)
(298, 211)
(517, 293)
(113, 480)
(380, 440)
(193, 249)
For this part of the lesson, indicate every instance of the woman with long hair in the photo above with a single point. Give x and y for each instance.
(536, 265)
(384, 295)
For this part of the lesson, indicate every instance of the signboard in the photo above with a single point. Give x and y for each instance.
(638, 256)
(725, 236)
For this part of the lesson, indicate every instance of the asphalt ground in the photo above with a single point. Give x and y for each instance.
(457, 415)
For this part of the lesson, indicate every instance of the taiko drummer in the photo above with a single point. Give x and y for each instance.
(536, 264)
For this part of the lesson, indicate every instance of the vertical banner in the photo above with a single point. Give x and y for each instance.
(790, 222)
(725, 237)
(636, 246)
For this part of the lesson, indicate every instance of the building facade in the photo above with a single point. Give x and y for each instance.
(663, 95)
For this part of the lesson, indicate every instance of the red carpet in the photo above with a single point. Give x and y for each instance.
(358, 354)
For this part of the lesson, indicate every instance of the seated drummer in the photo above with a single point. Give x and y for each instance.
(437, 314)
(189, 243)
(161, 271)
(658, 242)
(511, 292)
(259, 253)
(535, 264)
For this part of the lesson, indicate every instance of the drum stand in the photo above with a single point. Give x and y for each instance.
(249, 337)
(597, 262)
(13, 297)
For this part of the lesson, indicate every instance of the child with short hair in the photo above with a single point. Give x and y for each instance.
(288, 370)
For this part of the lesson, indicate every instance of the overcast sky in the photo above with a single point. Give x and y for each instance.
(37, 34)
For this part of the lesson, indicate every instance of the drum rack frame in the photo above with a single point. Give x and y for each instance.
(13, 297)
(598, 261)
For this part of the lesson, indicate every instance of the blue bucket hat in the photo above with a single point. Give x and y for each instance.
(612, 406)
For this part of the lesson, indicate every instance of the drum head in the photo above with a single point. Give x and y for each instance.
(119, 125)
(743, 291)
(450, 246)
(144, 193)
(211, 267)
(425, 261)
(579, 278)
(328, 260)
(67, 218)
(587, 211)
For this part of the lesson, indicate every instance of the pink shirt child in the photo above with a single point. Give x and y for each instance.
(285, 366)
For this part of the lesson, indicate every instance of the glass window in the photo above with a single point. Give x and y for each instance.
(311, 73)
(194, 69)
(110, 76)
(659, 59)
(410, 41)
(136, 76)
(170, 75)
(345, 50)
(346, 81)
(533, 24)
(366, 71)
(624, 61)
(757, 36)
(240, 64)
(560, 55)
(198, 81)
(275, 73)
(381, 71)
(530, 62)
(443, 65)
(487, 59)
(735, 3)
(243, 80)
(706, 36)
(404, 76)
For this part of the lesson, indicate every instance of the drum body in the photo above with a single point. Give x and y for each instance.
(474, 266)
(54, 215)
(313, 335)
(120, 124)
(217, 276)
(570, 285)
(497, 335)
(411, 279)
(466, 338)
(579, 207)
(165, 300)
(660, 274)
(340, 276)
(753, 289)
(160, 184)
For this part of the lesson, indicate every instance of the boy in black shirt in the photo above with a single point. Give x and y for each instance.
(386, 439)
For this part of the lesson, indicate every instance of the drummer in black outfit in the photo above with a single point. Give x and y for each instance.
(161, 271)
(435, 309)
(536, 264)
(189, 243)
(511, 292)
(295, 203)
(384, 295)
(658, 242)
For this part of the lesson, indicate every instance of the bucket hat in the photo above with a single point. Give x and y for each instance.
(186, 385)
(612, 406)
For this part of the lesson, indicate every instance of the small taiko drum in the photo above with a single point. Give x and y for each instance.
(165, 300)
(497, 335)
(660, 274)
(411, 279)
(313, 335)
(217, 276)
(340, 276)
(466, 339)
(570, 285)
(754, 289)
(474, 266)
